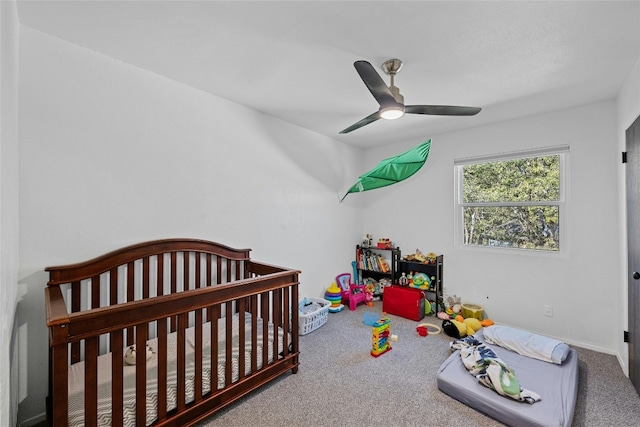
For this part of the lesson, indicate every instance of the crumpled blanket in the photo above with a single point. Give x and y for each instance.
(484, 364)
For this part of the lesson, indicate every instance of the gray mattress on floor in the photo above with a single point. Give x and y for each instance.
(556, 384)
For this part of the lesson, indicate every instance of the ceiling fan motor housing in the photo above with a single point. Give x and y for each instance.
(395, 91)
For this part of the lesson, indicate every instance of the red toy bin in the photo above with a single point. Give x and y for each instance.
(404, 302)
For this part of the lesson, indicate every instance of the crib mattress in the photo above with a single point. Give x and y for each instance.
(76, 372)
(556, 384)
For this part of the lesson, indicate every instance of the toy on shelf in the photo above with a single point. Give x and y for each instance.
(429, 258)
(384, 243)
(403, 281)
(334, 296)
(421, 281)
(381, 334)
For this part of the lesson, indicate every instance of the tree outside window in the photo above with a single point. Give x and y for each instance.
(512, 203)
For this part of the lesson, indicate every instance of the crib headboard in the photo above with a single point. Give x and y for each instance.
(140, 272)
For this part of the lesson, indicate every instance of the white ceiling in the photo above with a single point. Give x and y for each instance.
(294, 59)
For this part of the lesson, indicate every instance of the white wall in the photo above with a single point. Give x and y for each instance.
(582, 287)
(113, 155)
(628, 109)
(8, 210)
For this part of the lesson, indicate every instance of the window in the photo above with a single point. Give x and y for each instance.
(512, 201)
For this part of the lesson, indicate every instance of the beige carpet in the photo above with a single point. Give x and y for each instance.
(340, 384)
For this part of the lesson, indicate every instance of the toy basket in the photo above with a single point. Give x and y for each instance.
(309, 322)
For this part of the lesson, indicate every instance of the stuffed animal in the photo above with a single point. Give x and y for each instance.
(457, 329)
(455, 304)
(130, 354)
(443, 316)
(431, 258)
(454, 329)
(455, 325)
(473, 325)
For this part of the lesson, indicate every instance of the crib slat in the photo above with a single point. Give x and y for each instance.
(130, 284)
(265, 328)
(208, 284)
(228, 367)
(75, 297)
(160, 275)
(141, 374)
(218, 270)
(117, 350)
(75, 307)
(215, 315)
(208, 269)
(91, 381)
(145, 277)
(181, 362)
(277, 300)
(295, 324)
(186, 262)
(95, 292)
(198, 283)
(285, 325)
(197, 383)
(59, 385)
(113, 286)
(162, 369)
(174, 281)
(241, 338)
(238, 276)
(229, 270)
(254, 332)
(131, 270)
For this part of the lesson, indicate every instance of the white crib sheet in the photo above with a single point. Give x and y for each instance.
(76, 372)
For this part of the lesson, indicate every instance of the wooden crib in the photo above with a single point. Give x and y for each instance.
(217, 325)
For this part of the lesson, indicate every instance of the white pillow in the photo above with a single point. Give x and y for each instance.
(527, 343)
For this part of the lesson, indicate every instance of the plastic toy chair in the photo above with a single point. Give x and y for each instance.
(351, 293)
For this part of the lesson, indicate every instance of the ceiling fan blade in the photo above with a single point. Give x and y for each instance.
(374, 83)
(442, 110)
(369, 119)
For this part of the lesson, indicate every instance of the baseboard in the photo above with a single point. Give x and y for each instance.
(625, 369)
(38, 420)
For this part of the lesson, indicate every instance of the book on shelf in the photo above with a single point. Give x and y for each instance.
(368, 260)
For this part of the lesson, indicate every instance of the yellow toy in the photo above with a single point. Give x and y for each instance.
(458, 329)
(473, 325)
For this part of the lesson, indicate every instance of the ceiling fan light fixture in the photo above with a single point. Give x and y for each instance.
(392, 112)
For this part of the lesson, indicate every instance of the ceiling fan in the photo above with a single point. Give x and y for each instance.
(391, 102)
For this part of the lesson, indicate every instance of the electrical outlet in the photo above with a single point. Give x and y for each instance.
(548, 311)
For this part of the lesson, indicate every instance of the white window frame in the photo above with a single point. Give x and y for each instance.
(562, 204)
